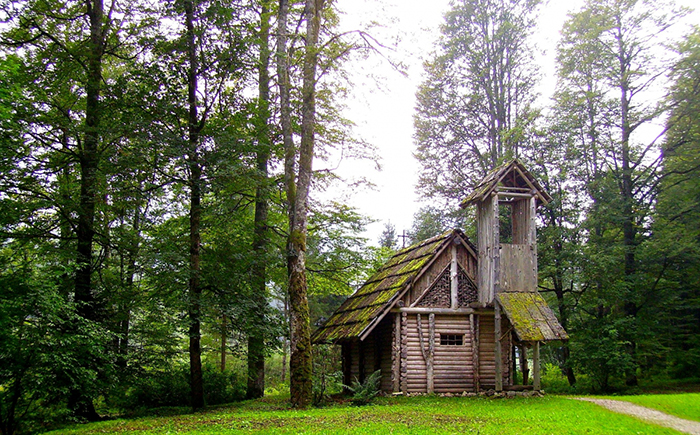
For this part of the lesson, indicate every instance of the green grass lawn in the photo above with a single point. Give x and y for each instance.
(680, 405)
(547, 415)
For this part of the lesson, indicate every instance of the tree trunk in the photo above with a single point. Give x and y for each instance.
(256, 339)
(89, 161)
(300, 346)
(195, 184)
(629, 232)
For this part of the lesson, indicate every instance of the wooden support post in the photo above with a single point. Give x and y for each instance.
(361, 361)
(513, 365)
(477, 340)
(404, 353)
(429, 352)
(536, 368)
(523, 364)
(347, 365)
(396, 355)
(454, 279)
(497, 338)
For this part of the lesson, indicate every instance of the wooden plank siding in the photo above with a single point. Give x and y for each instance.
(518, 268)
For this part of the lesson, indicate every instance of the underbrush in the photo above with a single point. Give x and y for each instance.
(171, 388)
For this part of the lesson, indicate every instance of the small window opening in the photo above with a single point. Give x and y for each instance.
(505, 220)
(451, 339)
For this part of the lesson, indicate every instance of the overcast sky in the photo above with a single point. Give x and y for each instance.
(383, 100)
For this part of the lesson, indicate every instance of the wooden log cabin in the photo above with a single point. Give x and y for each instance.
(446, 316)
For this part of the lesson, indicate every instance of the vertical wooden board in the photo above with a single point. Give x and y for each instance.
(487, 236)
(499, 349)
(467, 261)
(496, 254)
(536, 366)
(454, 277)
(396, 354)
(518, 268)
(507, 353)
(533, 233)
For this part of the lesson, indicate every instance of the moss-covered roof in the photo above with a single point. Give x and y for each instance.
(531, 317)
(509, 174)
(361, 311)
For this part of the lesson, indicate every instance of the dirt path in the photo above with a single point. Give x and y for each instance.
(647, 414)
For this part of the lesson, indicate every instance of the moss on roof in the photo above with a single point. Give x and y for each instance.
(531, 317)
(363, 309)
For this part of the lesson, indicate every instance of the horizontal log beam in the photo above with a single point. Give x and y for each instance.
(429, 310)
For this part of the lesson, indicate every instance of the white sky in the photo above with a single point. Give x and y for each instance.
(384, 100)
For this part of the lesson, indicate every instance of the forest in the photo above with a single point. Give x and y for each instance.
(166, 239)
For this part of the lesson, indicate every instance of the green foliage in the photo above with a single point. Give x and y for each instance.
(388, 238)
(365, 392)
(46, 349)
(428, 222)
(328, 378)
(474, 107)
(600, 351)
(169, 386)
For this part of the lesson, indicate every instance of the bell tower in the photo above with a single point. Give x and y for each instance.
(507, 254)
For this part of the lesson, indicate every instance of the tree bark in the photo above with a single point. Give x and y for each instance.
(195, 184)
(629, 231)
(89, 159)
(300, 346)
(256, 339)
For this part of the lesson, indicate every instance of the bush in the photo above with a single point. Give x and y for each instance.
(364, 393)
(327, 376)
(170, 387)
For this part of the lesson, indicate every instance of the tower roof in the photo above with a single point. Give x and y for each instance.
(511, 177)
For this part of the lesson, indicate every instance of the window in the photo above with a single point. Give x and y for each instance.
(452, 339)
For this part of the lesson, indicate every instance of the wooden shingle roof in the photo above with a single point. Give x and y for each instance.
(531, 317)
(509, 174)
(365, 308)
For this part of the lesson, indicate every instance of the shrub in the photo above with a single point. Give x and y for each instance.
(365, 392)
(170, 387)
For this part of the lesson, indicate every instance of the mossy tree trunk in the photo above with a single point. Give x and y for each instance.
(298, 186)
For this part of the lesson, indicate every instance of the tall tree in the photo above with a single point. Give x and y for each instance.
(300, 345)
(676, 231)
(66, 46)
(610, 64)
(256, 339)
(474, 108)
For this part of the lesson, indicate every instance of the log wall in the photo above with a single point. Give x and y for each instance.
(453, 370)
(487, 352)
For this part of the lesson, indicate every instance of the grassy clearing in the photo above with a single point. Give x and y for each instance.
(680, 405)
(548, 415)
